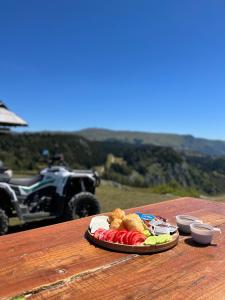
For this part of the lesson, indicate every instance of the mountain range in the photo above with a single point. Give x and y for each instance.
(178, 142)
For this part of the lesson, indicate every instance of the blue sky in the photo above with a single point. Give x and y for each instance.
(146, 65)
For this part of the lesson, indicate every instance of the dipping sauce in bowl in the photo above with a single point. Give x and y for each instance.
(203, 233)
(184, 221)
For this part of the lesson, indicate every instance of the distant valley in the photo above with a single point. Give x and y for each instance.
(163, 169)
(175, 141)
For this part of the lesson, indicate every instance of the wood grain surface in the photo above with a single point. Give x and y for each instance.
(57, 262)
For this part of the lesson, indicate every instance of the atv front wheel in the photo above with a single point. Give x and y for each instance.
(4, 222)
(82, 205)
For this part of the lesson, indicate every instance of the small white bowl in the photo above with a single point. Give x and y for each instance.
(184, 221)
(203, 233)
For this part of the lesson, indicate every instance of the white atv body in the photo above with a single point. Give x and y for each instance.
(55, 192)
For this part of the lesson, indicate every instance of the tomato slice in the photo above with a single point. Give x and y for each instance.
(138, 239)
(121, 237)
(126, 237)
(117, 235)
(111, 235)
(131, 237)
(106, 233)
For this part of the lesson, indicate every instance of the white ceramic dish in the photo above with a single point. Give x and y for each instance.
(203, 233)
(184, 221)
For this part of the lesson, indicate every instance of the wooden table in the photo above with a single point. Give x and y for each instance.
(57, 262)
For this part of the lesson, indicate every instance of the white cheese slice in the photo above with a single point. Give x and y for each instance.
(99, 222)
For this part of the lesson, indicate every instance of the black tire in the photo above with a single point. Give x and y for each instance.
(4, 222)
(82, 205)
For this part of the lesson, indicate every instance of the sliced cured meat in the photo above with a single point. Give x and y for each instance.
(97, 232)
(101, 235)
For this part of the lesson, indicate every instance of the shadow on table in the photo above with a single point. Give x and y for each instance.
(182, 234)
(192, 243)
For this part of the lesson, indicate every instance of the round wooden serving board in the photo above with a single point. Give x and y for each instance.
(134, 249)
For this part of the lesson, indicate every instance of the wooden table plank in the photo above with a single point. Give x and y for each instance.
(184, 272)
(59, 253)
(45, 255)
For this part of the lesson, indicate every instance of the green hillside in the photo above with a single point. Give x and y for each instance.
(178, 142)
(162, 169)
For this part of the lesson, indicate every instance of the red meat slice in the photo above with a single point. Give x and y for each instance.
(101, 235)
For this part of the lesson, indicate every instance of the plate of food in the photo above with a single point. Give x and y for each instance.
(132, 233)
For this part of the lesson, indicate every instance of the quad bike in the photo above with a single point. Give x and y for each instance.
(56, 192)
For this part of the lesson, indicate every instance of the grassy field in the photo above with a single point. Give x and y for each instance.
(112, 196)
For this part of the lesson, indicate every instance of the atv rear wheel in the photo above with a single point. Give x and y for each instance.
(82, 205)
(4, 222)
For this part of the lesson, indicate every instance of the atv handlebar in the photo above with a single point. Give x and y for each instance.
(59, 158)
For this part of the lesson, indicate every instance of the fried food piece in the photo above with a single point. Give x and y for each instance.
(133, 222)
(116, 214)
(117, 224)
